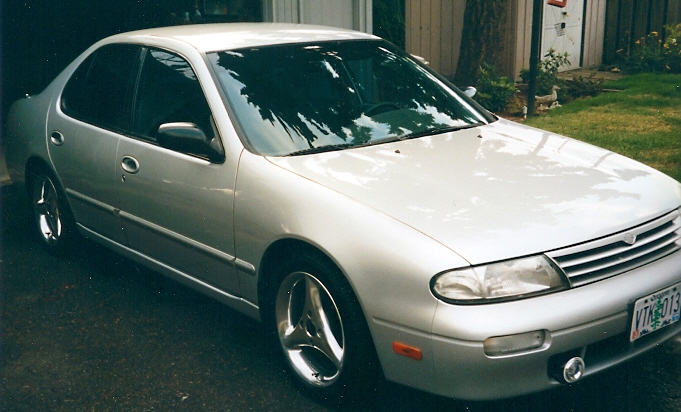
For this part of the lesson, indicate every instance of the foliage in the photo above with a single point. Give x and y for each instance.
(515, 106)
(548, 70)
(640, 121)
(646, 57)
(494, 91)
(652, 54)
(547, 77)
(388, 21)
(580, 87)
(672, 48)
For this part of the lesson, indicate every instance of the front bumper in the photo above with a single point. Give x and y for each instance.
(591, 321)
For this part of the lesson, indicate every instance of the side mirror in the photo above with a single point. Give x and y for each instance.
(187, 138)
(421, 59)
(470, 91)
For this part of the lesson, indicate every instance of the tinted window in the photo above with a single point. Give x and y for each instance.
(98, 91)
(301, 98)
(168, 91)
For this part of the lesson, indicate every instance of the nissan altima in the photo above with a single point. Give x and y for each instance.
(375, 219)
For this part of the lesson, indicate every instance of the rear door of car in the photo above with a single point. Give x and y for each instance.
(176, 207)
(84, 127)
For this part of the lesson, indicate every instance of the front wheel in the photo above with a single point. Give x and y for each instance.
(321, 330)
(51, 218)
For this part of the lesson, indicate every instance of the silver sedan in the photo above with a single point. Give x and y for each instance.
(373, 217)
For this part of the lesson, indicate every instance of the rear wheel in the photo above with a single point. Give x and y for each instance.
(51, 217)
(321, 330)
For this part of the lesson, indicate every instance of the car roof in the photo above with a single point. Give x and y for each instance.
(228, 36)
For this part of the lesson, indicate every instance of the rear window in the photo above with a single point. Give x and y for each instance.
(98, 91)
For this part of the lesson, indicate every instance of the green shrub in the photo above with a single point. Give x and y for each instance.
(672, 48)
(652, 54)
(494, 91)
(580, 87)
(547, 73)
(646, 57)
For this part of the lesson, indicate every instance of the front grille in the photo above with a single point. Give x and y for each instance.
(612, 255)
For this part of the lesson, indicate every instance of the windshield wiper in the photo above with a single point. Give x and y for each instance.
(321, 149)
(340, 146)
(438, 130)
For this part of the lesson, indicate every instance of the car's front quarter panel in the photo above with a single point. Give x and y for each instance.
(388, 264)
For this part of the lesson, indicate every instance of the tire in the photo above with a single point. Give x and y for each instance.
(321, 331)
(51, 217)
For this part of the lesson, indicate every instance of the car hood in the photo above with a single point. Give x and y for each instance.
(497, 191)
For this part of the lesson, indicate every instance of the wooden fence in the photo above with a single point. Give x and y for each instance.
(434, 31)
(630, 20)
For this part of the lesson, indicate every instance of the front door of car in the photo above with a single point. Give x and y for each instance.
(83, 130)
(176, 205)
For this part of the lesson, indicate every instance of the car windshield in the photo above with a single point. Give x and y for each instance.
(305, 98)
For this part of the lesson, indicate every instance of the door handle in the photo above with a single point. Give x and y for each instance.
(57, 138)
(130, 164)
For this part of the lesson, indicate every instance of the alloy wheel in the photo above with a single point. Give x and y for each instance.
(310, 329)
(46, 210)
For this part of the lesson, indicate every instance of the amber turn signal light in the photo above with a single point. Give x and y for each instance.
(408, 351)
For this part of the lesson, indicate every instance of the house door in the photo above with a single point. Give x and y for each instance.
(563, 31)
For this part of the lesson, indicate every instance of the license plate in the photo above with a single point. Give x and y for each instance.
(656, 311)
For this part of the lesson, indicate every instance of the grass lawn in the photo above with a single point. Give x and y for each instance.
(641, 121)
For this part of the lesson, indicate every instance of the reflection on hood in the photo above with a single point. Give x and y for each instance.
(497, 191)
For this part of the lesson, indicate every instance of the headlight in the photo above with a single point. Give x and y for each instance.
(509, 280)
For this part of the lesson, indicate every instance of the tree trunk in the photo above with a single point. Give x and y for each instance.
(483, 38)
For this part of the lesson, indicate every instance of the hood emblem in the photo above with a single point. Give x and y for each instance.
(629, 238)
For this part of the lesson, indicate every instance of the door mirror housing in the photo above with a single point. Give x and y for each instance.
(189, 138)
(470, 91)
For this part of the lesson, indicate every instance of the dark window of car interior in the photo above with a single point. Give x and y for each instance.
(98, 90)
(168, 91)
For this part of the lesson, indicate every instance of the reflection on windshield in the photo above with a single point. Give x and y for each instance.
(296, 99)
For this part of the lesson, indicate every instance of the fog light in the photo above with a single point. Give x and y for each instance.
(504, 345)
(573, 369)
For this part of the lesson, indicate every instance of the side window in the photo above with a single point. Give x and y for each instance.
(97, 92)
(168, 92)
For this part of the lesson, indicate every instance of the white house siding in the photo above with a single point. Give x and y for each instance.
(287, 11)
(523, 36)
(434, 31)
(347, 14)
(329, 13)
(594, 32)
(592, 41)
(562, 31)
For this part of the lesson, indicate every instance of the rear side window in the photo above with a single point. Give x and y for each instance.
(99, 90)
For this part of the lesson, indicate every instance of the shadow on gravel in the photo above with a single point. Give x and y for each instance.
(94, 331)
